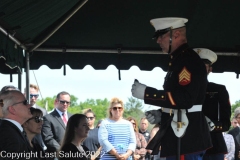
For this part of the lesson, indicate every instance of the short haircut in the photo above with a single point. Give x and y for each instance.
(7, 99)
(9, 87)
(32, 86)
(62, 93)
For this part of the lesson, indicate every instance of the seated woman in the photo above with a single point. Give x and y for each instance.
(76, 131)
(32, 127)
(140, 150)
(116, 135)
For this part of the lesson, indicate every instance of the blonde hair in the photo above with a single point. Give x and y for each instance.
(88, 110)
(32, 86)
(114, 101)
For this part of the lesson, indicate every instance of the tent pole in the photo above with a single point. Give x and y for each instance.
(68, 16)
(70, 50)
(19, 80)
(12, 38)
(27, 74)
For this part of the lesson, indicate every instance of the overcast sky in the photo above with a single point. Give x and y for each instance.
(99, 84)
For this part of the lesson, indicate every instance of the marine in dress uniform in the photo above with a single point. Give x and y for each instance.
(217, 108)
(184, 88)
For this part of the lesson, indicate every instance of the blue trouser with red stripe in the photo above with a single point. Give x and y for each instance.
(195, 156)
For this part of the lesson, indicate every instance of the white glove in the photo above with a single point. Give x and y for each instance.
(211, 125)
(153, 116)
(138, 89)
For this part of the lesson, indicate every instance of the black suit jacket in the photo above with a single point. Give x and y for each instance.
(12, 140)
(235, 132)
(53, 131)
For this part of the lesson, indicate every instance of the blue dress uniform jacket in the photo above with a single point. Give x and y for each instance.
(185, 85)
(217, 107)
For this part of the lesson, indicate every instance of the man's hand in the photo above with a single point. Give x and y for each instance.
(138, 89)
(153, 116)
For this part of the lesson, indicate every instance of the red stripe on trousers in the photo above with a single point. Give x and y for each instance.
(182, 157)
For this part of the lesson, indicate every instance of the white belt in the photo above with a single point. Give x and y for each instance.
(195, 108)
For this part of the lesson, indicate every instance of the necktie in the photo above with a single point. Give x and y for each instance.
(64, 117)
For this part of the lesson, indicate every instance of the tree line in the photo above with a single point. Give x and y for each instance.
(133, 107)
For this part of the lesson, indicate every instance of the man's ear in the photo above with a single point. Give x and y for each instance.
(12, 110)
(176, 34)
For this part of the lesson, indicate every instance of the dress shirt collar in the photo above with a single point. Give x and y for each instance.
(15, 123)
(60, 113)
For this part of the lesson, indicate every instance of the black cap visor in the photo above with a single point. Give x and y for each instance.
(160, 33)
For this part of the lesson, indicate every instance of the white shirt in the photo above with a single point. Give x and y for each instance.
(230, 146)
(61, 113)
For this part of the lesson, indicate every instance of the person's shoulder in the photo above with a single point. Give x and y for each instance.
(216, 86)
(68, 146)
(233, 130)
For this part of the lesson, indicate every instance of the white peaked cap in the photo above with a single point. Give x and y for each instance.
(206, 54)
(170, 22)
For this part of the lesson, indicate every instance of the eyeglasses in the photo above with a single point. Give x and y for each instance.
(63, 102)
(91, 118)
(33, 95)
(37, 119)
(119, 108)
(25, 102)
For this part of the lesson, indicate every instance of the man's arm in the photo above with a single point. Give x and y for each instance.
(225, 108)
(48, 136)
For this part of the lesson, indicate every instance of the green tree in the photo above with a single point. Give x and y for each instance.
(98, 106)
(133, 108)
(234, 106)
(48, 103)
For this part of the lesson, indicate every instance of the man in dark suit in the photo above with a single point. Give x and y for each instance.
(15, 110)
(216, 107)
(55, 122)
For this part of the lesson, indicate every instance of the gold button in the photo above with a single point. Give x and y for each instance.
(154, 95)
(171, 56)
(170, 64)
(147, 95)
(162, 96)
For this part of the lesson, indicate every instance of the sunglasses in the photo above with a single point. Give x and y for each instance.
(25, 102)
(33, 95)
(63, 102)
(91, 118)
(119, 108)
(37, 119)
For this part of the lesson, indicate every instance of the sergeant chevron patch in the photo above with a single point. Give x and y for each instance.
(184, 77)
